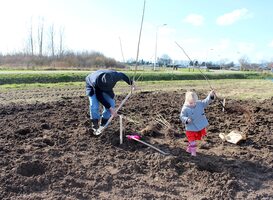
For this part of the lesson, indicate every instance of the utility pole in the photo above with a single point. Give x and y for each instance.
(155, 61)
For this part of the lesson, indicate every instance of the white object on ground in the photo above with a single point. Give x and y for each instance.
(224, 104)
(233, 137)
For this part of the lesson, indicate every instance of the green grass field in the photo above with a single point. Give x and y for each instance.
(227, 84)
(257, 89)
(25, 77)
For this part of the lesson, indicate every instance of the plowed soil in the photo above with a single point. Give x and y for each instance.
(48, 151)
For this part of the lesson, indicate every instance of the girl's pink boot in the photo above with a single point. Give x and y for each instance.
(188, 148)
(193, 150)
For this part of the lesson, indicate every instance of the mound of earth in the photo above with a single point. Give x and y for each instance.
(48, 151)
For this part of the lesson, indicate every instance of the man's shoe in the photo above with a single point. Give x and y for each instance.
(98, 131)
(95, 124)
(103, 122)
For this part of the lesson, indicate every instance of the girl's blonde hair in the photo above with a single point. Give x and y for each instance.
(190, 96)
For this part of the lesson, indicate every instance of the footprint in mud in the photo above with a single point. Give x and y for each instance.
(209, 166)
(45, 126)
(23, 131)
(48, 141)
(34, 168)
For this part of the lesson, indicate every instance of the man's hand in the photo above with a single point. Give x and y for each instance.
(113, 112)
(133, 86)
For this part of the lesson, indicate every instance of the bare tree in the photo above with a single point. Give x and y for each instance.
(31, 39)
(222, 63)
(29, 45)
(61, 50)
(244, 63)
(52, 40)
(40, 36)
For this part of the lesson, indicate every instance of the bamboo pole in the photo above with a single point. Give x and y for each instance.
(149, 145)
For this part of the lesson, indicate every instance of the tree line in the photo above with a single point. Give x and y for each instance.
(68, 59)
(45, 46)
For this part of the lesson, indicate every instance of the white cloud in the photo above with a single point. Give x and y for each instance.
(222, 45)
(259, 56)
(270, 44)
(244, 47)
(167, 31)
(194, 19)
(232, 17)
(191, 41)
(191, 45)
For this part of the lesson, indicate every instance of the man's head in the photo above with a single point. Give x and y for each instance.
(105, 82)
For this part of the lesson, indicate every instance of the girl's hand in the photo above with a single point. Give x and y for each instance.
(189, 120)
(212, 93)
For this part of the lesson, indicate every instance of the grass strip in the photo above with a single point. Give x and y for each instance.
(58, 77)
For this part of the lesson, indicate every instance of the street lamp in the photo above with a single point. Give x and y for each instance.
(156, 43)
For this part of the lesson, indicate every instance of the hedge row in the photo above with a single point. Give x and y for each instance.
(24, 78)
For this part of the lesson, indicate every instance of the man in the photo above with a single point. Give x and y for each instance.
(99, 89)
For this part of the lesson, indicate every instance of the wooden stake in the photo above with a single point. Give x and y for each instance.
(121, 130)
(224, 104)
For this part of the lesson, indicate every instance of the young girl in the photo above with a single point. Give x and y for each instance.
(193, 116)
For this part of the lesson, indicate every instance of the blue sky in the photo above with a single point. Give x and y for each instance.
(207, 29)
